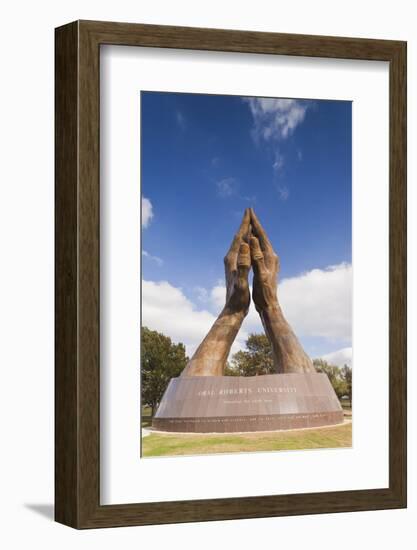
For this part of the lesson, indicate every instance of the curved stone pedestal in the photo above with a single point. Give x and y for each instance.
(247, 404)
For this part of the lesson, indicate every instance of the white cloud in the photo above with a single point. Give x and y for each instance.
(339, 358)
(276, 119)
(316, 304)
(147, 212)
(226, 187)
(249, 198)
(156, 259)
(279, 162)
(218, 296)
(166, 309)
(319, 302)
(180, 120)
(201, 293)
(283, 192)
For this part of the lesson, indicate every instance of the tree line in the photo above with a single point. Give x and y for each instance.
(162, 360)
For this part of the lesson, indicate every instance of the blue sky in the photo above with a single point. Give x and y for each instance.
(204, 158)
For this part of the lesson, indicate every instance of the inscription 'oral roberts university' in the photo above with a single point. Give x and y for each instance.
(245, 391)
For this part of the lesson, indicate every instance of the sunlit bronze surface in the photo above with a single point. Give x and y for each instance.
(250, 247)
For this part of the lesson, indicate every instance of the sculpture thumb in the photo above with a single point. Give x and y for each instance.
(257, 256)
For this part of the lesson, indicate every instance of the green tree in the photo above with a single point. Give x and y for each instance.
(347, 377)
(161, 361)
(334, 375)
(229, 370)
(255, 360)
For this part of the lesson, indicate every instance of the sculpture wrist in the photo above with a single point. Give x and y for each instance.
(271, 312)
(288, 354)
(235, 316)
(211, 355)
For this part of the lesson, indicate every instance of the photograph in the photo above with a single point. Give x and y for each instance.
(246, 274)
(208, 304)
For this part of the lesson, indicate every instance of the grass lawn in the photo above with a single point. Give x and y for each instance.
(165, 444)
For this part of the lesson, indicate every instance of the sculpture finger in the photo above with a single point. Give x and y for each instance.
(231, 257)
(259, 232)
(257, 256)
(270, 256)
(243, 261)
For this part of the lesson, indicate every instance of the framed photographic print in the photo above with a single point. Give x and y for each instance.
(230, 274)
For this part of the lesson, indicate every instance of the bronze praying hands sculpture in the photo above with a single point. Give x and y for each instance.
(250, 248)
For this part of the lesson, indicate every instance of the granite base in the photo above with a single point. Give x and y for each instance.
(215, 404)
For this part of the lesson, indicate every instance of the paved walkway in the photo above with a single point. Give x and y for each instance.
(146, 432)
